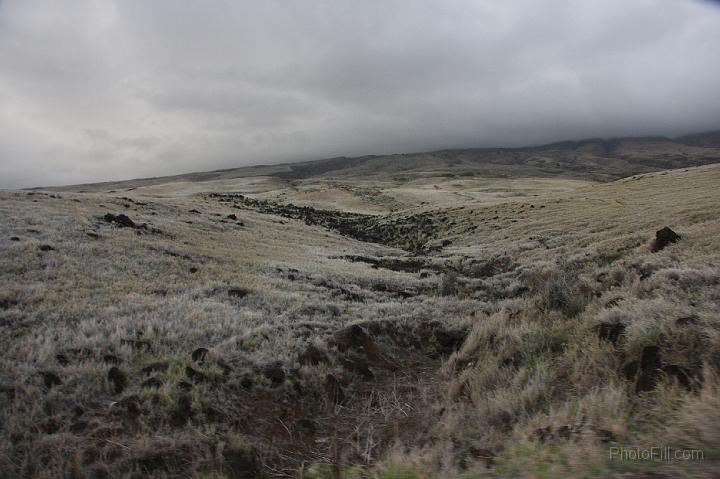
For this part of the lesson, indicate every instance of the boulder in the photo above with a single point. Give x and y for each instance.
(663, 238)
(118, 379)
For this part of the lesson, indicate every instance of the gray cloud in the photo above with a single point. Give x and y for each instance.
(103, 89)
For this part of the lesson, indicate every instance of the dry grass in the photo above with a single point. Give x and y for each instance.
(560, 294)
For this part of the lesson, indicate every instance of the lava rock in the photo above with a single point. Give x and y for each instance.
(649, 371)
(663, 238)
(118, 379)
(275, 373)
(199, 354)
(50, 379)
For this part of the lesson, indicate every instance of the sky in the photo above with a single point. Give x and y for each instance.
(99, 90)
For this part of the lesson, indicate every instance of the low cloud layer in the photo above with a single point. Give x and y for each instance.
(103, 90)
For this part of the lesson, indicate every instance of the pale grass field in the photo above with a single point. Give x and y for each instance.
(533, 391)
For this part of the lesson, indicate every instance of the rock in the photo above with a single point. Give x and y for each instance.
(50, 379)
(184, 385)
(159, 366)
(183, 410)
(649, 372)
(334, 390)
(62, 359)
(92, 235)
(242, 463)
(611, 331)
(118, 378)
(353, 336)
(450, 340)
(111, 359)
(193, 270)
(237, 292)
(275, 373)
(663, 238)
(313, 356)
(152, 383)
(232, 216)
(14, 238)
(46, 247)
(357, 366)
(121, 220)
(686, 320)
(137, 344)
(199, 354)
(681, 374)
(195, 376)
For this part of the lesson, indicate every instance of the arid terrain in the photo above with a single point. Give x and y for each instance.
(453, 314)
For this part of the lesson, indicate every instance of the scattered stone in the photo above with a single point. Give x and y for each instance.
(275, 373)
(686, 320)
(357, 366)
(195, 376)
(46, 247)
(14, 238)
(663, 238)
(111, 359)
(681, 374)
(182, 413)
(199, 354)
(118, 378)
(193, 270)
(62, 359)
(611, 331)
(92, 235)
(313, 356)
(649, 373)
(137, 344)
(184, 385)
(152, 383)
(121, 220)
(160, 366)
(232, 216)
(50, 379)
(334, 390)
(237, 292)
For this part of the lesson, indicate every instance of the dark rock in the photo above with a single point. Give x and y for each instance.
(195, 376)
(649, 373)
(681, 374)
(184, 385)
(92, 235)
(182, 412)
(50, 379)
(611, 331)
(199, 354)
(686, 320)
(663, 238)
(118, 379)
(193, 270)
(313, 356)
(242, 463)
(121, 220)
(237, 292)
(275, 373)
(357, 366)
(137, 344)
(46, 247)
(112, 359)
(630, 369)
(246, 383)
(14, 238)
(152, 383)
(353, 336)
(450, 340)
(232, 216)
(159, 366)
(194, 211)
(334, 390)
(62, 359)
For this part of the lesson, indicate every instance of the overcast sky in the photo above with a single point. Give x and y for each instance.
(103, 90)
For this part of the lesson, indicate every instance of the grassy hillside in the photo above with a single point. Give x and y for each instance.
(416, 326)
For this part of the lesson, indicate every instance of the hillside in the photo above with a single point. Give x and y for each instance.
(464, 313)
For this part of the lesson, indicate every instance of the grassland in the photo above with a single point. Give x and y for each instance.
(430, 321)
